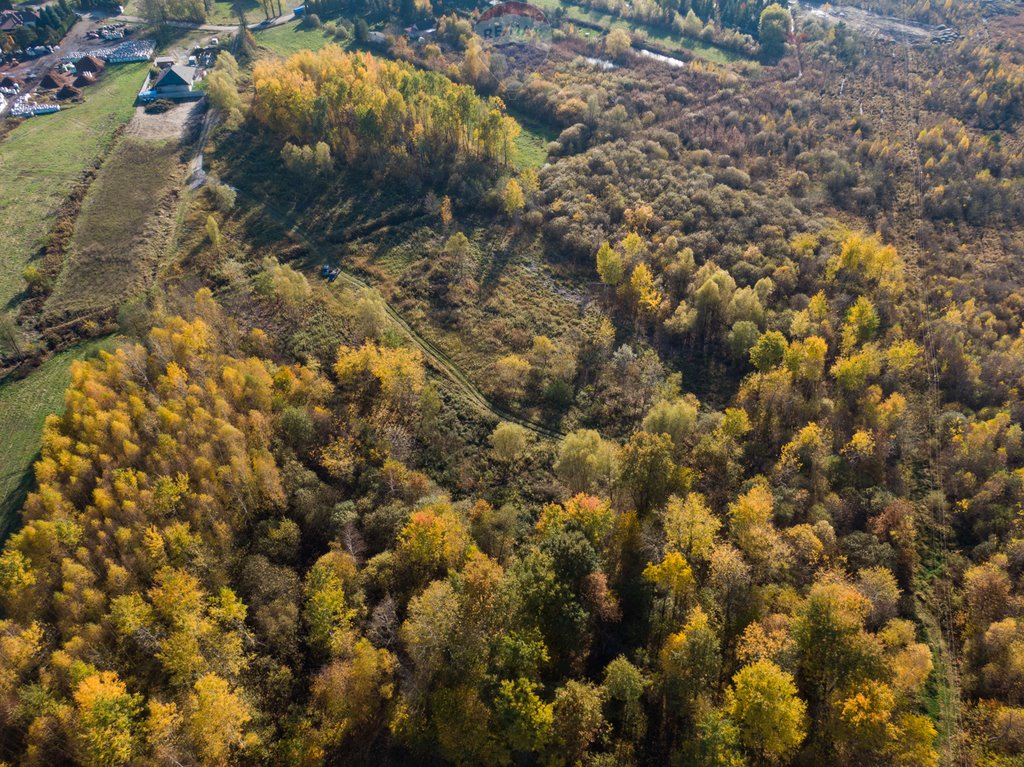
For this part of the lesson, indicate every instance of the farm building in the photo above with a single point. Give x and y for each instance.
(89, 64)
(164, 62)
(174, 82)
(54, 81)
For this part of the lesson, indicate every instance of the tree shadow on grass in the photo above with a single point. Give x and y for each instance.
(10, 505)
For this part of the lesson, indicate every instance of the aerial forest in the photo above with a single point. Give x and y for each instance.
(553, 404)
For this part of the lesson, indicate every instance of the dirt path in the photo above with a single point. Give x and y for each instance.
(440, 361)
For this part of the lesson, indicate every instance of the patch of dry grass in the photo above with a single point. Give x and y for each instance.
(120, 233)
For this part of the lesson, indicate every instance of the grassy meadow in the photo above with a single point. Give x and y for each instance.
(532, 143)
(289, 39)
(41, 159)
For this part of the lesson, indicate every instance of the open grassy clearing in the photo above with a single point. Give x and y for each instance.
(225, 11)
(941, 694)
(698, 48)
(289, 39)
(41, 159)
(532, 143)
(24, 406)
(118, 238)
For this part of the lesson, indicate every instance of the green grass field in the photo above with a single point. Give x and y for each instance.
(289, 39)
(41, 159)
(223, 11)
(24, 406)
(117, 242)
(532, 143)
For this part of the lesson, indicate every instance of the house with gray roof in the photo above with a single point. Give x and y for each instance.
(175, 82)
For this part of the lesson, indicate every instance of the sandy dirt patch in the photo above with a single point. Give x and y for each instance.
(158, 127)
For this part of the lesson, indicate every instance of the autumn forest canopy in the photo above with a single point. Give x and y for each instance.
(546, 404)
(380, 114)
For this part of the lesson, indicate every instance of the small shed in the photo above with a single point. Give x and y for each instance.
(89, 64)
(53, 81)
(68, 92)
(174, 82)
(164, 62)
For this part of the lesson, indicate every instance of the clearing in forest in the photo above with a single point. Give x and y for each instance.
(661, 36)
(224, 12)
